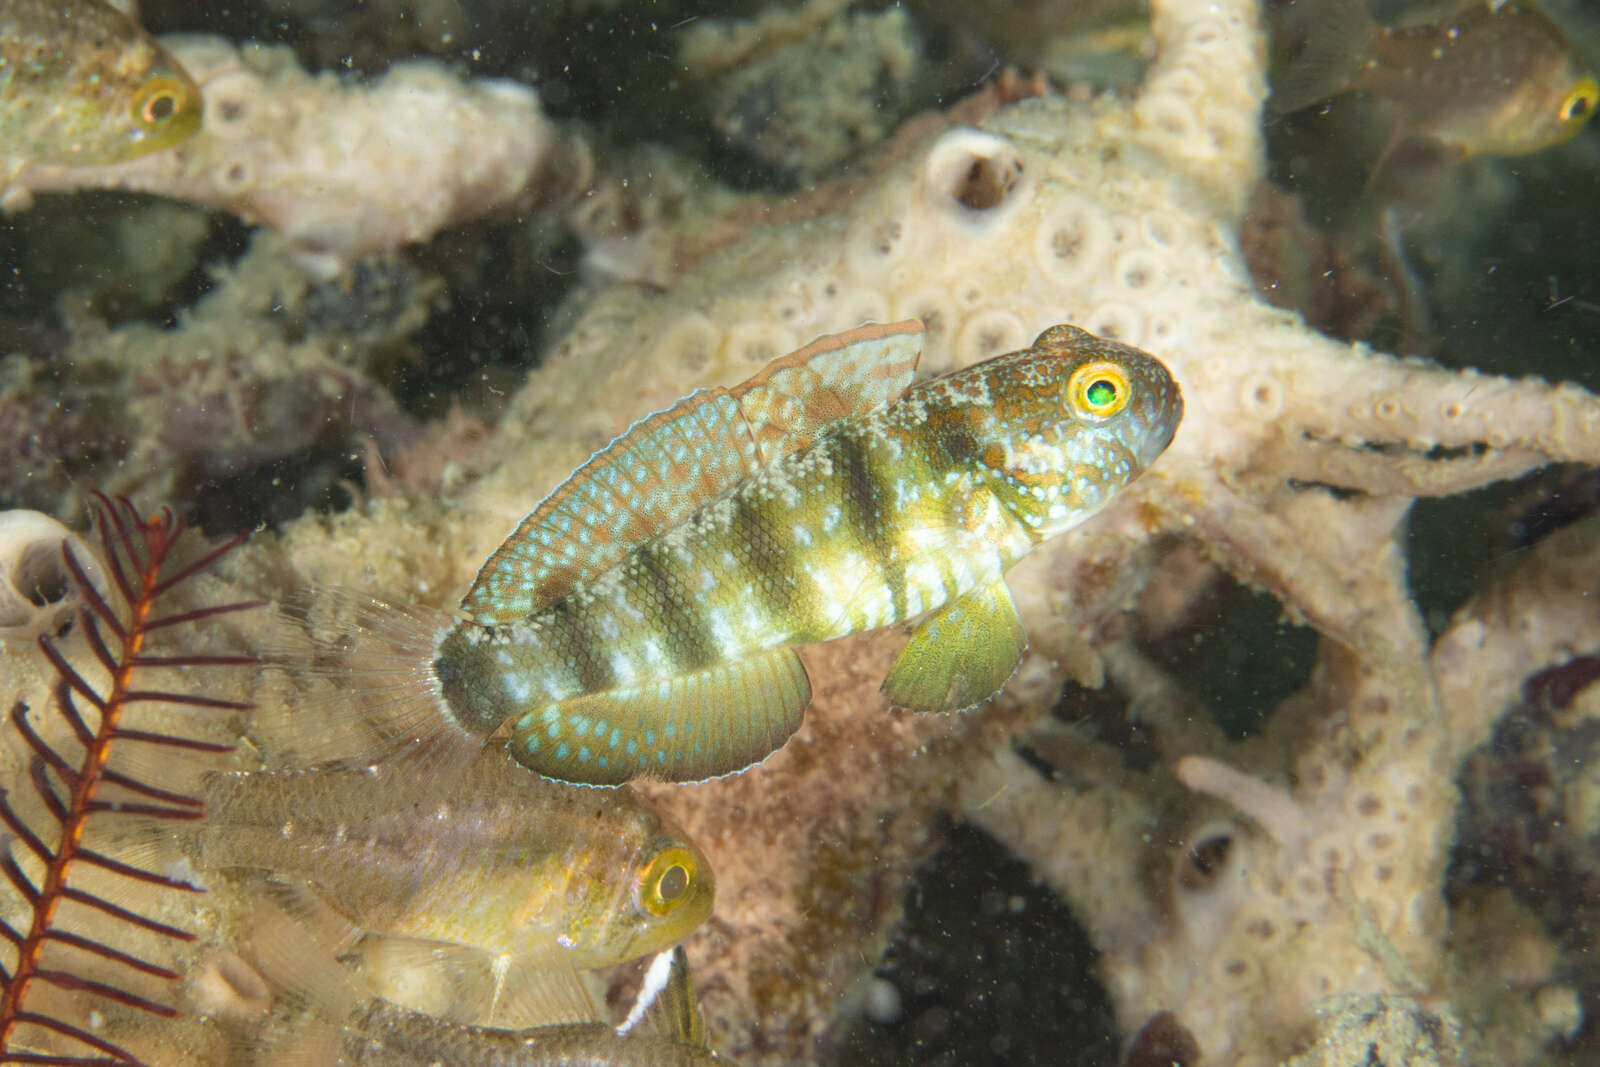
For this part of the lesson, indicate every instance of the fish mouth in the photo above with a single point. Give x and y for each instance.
(1157, 428)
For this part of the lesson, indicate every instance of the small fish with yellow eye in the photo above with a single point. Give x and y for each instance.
(642, 621)
(1491, 79)
(82, 84)
(500, 861)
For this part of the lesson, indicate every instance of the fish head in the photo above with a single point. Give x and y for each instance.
(643, 897)
(1547, 107)
(122, 100)
(1562, 106)
(1073, 419)
(1116, 392)
(1520, 87)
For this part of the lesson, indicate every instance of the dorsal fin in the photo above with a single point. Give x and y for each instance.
(621, 495)
(834, 377)
(668, 464)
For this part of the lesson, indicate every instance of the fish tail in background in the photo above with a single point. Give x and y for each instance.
(1335, 36)
(302, 948)
(297, 954)
(361, 685)
(305, 946)
(463, 984)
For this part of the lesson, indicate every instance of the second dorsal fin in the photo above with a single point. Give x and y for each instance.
(666, 465)
(834, 377)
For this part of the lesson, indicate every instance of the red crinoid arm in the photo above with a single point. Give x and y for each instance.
(137, 554)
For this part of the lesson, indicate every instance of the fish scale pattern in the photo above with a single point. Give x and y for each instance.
(655, 474)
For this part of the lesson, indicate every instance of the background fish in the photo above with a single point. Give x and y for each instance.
(502, 861)
(82, 84)
(1503, 82)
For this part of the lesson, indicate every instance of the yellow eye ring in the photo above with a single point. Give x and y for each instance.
(1580, 102)
(1098, 390)
(667, 882)
(158, 102)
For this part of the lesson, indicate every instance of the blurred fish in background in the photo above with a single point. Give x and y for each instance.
(1485, 80)
(1397, 134)
(82, 84)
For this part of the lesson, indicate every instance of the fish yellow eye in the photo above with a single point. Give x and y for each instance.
(667, 882)
(1098, 390)
(160, 101)
(1579, 104)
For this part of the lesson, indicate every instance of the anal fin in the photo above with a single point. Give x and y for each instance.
(961, 654)
(686, 728)
(472, 986)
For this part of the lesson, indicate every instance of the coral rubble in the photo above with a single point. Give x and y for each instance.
(1267, 897)
(267, 364)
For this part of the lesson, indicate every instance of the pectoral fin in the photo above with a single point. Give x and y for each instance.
(961, 654)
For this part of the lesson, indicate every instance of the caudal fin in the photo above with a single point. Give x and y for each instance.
(358, 685)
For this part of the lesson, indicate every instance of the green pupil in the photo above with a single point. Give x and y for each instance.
(1101, 394)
